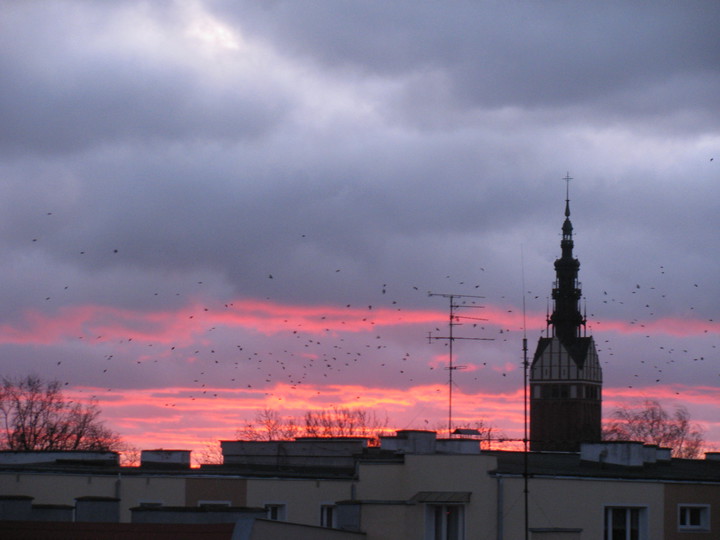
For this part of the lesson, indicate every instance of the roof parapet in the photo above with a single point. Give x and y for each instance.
(458, 446)
(409, 441)
(623, 453)
(11, 457)
(328, 453)
(175, 459)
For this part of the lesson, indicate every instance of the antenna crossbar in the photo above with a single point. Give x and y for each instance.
(454, 320)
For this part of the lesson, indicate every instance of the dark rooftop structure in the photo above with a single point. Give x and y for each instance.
(565, 374)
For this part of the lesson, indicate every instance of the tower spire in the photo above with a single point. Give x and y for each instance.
(566, 318)
(567, 194)
(565, 375)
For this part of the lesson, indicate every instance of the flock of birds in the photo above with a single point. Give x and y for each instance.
(662, 359)
(362, 345)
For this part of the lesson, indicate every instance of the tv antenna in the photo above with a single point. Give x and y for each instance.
(526, 367)
(453, 321)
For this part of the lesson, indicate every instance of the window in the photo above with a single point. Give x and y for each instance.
(276, 512)
(327, 515)
(693, 517)
(445, 522)
(625, 523)
(555, 391)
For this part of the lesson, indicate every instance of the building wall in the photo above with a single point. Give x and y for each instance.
(435, 473)
(386, 521)
(562, 424)
(385, 490)
(135, 490)
(565, 399)
(232, 490)
(552, 362)
(387, 499)
(577, 503)
(302, 498)
(677, 494)
(53, 488)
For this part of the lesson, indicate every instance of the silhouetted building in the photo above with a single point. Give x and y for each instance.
(565, 375)
(413, 486)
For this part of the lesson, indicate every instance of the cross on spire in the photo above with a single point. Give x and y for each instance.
(567, 194)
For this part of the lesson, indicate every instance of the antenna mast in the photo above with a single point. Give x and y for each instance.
(526, 366)
(454, 320)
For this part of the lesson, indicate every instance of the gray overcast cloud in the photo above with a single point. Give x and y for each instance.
(161, 160)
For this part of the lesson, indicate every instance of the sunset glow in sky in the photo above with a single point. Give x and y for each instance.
(210, 208)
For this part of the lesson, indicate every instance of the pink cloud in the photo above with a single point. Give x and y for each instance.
(104, 323)
(673, 326)
(187, 416)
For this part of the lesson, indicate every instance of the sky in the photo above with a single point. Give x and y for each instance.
(212, 208)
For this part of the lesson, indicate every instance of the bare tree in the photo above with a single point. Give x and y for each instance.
(34, 415)
(268, 425)
(210, 453)
(130, 456)
(344, 422)
(652, 424)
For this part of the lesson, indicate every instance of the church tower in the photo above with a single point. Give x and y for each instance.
(565, 374)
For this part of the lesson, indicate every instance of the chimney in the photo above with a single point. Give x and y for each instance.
(410, 441)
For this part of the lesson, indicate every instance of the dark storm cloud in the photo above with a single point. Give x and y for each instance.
(494, 54)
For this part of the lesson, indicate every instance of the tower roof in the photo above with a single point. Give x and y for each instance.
(578, 349)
